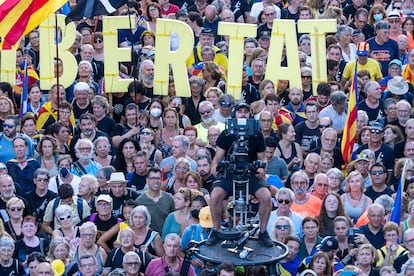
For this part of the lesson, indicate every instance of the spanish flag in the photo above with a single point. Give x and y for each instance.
(350, 129)
(19, 17)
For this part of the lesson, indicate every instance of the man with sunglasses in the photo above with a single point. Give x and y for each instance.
(379, 187)
(383, 153)
(283, 200)
(206, 110)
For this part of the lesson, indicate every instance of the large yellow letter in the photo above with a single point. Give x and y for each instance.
(48, 52)
(283, 33)
(8, 66)
(236, 32)
(113, 54)
(317, 30)
(164, 57)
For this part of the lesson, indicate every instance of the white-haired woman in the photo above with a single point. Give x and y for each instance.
(67, 229)
(8, 264)
(145, 239)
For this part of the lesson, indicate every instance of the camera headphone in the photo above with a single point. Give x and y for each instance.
(238, 106)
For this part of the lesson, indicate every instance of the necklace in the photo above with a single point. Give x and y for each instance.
(354, 198)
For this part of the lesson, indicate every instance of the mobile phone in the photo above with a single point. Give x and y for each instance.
(348, 273)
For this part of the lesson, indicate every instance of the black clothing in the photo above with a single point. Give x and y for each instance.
(106, 125)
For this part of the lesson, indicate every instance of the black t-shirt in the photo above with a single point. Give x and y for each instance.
(38, 204)
(137, 182)
(373, 114)
(21, 250)
(120, 129)
(369, 192)
(305, 136)
(239, 7)
(115, 259)
(256, 144)
(384, 155)
(118, 106)
(104, 226)
(106, 125)
(209, 182)
(77, 111)
(377, 240)
(118, 202)
(399, 261)
(16, 269)
(192, 111)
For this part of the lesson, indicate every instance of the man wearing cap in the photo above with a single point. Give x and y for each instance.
(381, 47)
(383, 152)
(361, 165)
(329, 245)
(198, 232)
(364, 63)
(395, 21)
(223, 187)
(264, 40)
(103, 218)
(223, 113)
(119, 192)
(372, 105)
(206, 39)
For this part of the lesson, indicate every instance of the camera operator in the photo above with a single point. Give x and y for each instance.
(257, 184)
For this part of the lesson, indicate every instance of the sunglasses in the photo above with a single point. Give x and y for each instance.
(306, 77)
(8, 126)
(42, 179)
(145, 133)
(379, 172)
(286, 201)
(376, 131)
(280, 227)
(13, 209)
(63, 218)
(98, 41)
(324, 125)
(224, 104)
(205, 112)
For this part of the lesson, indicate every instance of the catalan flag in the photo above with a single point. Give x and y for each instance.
(350, 129)
(25, 92)
(19, 17)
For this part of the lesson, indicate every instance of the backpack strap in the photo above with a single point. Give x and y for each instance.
(55, 205)
(151, 238)
(93, 217)
(80, 208)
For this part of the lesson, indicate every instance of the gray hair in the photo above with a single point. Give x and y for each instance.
(336, 172)
(194, 79)
(363, 113)
(88, 225)
(285, 191)
(183, 140)
(386, 201)
(131, 254)
(173, 237)
(403, 102)
(368, 86)
(41, 171)
(84, 140)
(117, 272)
(81, 86)
(87, 63)
(62, 209)
(338, 97)
(406, 265)
(301, 174)
(286, 219)
(7, 242)
(140, 209)
(343, 30)
(375, 205)
(388, 102)
(205, 103)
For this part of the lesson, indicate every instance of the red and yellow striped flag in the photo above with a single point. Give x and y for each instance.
(19, 17)
(350, 129)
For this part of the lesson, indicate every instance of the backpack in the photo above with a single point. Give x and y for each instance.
(79, 204)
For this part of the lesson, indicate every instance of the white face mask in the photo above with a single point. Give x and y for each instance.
(156, 112)
(378, 17)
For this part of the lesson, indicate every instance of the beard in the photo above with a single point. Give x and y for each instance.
(300, 191)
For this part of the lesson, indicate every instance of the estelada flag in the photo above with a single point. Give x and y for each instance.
(19, 17)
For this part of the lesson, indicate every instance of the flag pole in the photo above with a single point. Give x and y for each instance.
(395, 214)
(57, 64)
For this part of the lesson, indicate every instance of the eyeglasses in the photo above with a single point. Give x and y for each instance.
(67, 217)
(154, 178)
(8, 126)
(205, 112)
(125, 236)
(375, 131)
(13, 209)
(42, 179)
(324, 125)
(88, 265)
(306, 77)
(132, 264)
(377, 172)
(299, 183)
(284, 227)
(145, 133)
(321, 184)
(98, 41)
(84, 149)
(266, 120)
(103, 204)
(286, 201)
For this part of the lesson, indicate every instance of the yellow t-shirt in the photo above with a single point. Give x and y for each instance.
(372, 66)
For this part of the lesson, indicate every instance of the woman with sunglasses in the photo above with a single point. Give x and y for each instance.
(13, 227)
(66, 228)
(282, 228)
(146, 143)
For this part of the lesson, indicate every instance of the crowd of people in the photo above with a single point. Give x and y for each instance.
(119, 184)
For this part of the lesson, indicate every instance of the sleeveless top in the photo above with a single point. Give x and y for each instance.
(355, 212)
(98, 257)
(151, 249)
(290, 158)
(152, 157)
(165, 149)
